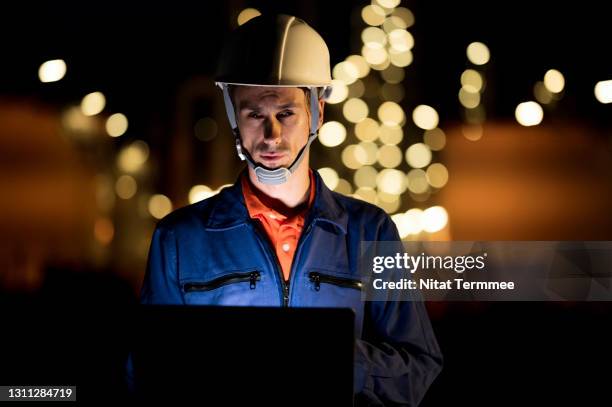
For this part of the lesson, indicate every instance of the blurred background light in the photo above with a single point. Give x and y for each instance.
(52, 71)
(437, 175)
(542, 94)
(355, 110)
(603, 91)
(116, 125)
(345, 71)
(132, 157)
(472, 132)
(405, 15)
(389, 156)
(478, 53)
(554, 81)
(425, 117)
(373, 15)
(200, 192)
(126, 187)
(367, 129)
(388, 3)
(418, 155)
(468, 99)
(435, 139)
(374, 37)
(247, 14)
(344, 187)
(391, 181)
(391, 134)
(363, 69)
(434, 219)
(400, 58)
(371, 150)
(339, 92)
(332, 134)
(93, 103)
(390, 114)
(529, 113)
(365, 177)
(401, 40)
(416, 181)
(330, 177)
(104, 231)
(353, 156)
(159, 206)
(472, 80)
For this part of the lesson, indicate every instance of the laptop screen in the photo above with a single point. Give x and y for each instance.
(245, 354)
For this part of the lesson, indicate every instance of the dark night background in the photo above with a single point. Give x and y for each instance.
(145, 58)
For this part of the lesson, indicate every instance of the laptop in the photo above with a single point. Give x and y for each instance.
(214, 355)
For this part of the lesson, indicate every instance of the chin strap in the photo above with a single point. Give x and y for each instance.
(264, 174)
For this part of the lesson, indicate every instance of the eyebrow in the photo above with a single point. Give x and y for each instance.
(245, 105)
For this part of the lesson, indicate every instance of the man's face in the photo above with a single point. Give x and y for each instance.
(273, 122)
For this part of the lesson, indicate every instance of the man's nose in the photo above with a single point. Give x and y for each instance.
(272, 131)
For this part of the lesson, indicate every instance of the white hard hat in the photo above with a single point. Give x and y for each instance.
(275, 51)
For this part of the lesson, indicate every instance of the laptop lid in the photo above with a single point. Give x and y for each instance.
(245, 355)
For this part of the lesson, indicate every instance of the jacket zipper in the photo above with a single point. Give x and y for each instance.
(252, 277)
(284, 292)
(318, 278)
(298, 251)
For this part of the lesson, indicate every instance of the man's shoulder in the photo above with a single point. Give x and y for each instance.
(359, 209)
(193, 215)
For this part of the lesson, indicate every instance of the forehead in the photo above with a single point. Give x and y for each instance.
(263, 94)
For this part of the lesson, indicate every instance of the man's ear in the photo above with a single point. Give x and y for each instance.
(321, 109)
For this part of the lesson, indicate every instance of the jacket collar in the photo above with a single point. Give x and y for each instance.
(229, 209)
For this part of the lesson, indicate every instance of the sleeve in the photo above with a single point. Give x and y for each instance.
(161, 282)
(398, 356)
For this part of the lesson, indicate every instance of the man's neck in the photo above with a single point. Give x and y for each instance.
(291, 193)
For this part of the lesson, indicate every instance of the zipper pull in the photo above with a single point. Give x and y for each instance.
(286, 293)
(253, 279)
(316, 279)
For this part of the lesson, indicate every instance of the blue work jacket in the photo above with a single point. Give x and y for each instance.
(213, 253)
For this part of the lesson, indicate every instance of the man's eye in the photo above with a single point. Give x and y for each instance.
(285, 113)
(254, 115)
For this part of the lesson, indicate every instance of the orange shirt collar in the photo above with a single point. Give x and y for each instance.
(257, 208)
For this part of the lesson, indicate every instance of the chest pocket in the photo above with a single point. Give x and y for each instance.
(318, 278)
(237, 288)
(252, 277)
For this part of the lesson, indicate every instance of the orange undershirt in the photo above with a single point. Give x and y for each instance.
(283, 225)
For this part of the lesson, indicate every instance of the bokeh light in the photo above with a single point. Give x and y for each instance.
(199, 192)
(330, 177)
(132, 157)
(332, 134)
(116, 125)
(159, 206)
(52, 71)
(434, 219)
(603, 91)
(339, 92)
(93, 103)
(367, 129)
(478, 53)
(435, 139)
(390, 114)
(355, 110)
(126, 187)
(437, 175)
(418, 155)
(389, 156)
(554, 81)
(425, 117)
(247, 14)
(529, 113)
